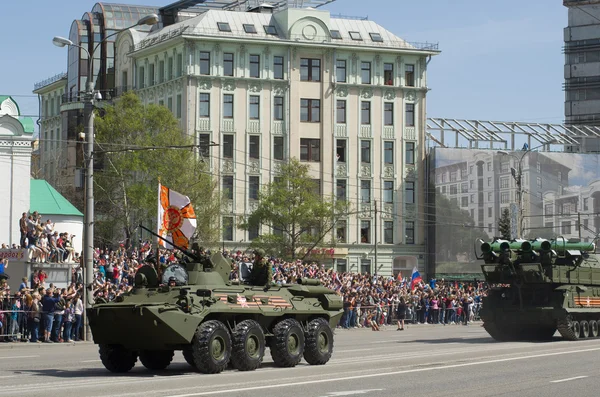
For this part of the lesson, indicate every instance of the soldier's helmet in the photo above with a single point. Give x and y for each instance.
(259, 252)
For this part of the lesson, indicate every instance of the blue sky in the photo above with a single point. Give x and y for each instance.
(500, 60)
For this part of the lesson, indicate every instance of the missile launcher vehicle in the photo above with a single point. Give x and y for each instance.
(538, 287)
(194, 307)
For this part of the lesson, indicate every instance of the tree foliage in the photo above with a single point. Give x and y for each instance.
(504, 225)
(126, 184)
(455, 231)
(299, 216)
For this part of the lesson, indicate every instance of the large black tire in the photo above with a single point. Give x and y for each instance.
(585, 329)
(211, 347)
(116, 358)
(287, 343)
(319, 342)
(248, 346)
(156, 360)
(188, 354)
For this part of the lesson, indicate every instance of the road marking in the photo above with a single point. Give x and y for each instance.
(91, 361)
(379, 375)
(350, 393)
(13, 357)
(568, 379)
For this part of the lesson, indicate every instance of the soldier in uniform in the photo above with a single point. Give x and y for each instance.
(262, 272)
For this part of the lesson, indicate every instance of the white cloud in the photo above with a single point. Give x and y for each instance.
(584, 167)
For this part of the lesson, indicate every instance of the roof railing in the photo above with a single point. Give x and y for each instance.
(49, 81)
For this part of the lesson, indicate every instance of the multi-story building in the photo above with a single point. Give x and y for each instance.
(345, 96)
(582, 67)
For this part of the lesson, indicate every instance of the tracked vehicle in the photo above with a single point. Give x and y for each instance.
(194, 308)
(540, 286)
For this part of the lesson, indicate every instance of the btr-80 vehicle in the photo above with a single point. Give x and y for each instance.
(540, 286)
(194, 307)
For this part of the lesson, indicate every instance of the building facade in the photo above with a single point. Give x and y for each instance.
(582, 65)
(345, 96)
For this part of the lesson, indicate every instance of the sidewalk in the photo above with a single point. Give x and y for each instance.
(18, 345)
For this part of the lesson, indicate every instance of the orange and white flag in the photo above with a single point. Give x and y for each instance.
(176, 218)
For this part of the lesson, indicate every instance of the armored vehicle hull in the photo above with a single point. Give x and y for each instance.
(539, 288)
(214, 322)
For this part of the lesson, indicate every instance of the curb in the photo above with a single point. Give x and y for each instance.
(30, 345)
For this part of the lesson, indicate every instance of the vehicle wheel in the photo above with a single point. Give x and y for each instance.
(585, 329)
(248, 340)
(188, 354)
(211, 347)
(319, 342)
(576, 329)
(593, 329)
(287, 344)
(117, 359)
(156, 360)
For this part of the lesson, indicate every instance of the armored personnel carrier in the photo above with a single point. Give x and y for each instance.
(195, 308)
(540, 286)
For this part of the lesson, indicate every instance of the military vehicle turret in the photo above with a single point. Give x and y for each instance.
(194, 307)
(540, 286)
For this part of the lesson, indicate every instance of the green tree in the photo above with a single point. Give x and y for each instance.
(455, 231)
(299, 216)
(126, 184)
(504, 224)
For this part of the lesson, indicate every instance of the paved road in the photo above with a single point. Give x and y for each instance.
(429, 360)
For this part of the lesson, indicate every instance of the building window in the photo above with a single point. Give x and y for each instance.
(254, 149)
(170, 68)
(254, 107)
(409, 192)
(365, 191)
(410, 115)
(464, 201)
(161, 72)
(254, 184)
(151, 75)
(255, 66)
(335, 34)
(410, 152)
(490, 209)
(504, 197)
(464, 188)
(141, 78)
(538, 181)
(228, 146)
(278, 108)
(585, 204)
(489, 196)
(365, 151)
(388, 232)
(409, 75)
(178, 106)
(388, 113)
(340, 233)
(204, 144)
(310, 110)
(227, 228)
(204, 105)
(228, 106)
(310, 150)
(388, 73)
(365, 232)
(365, 112)
(365, 266)
(310, 69)
(341, 112)
(355, 35)
(253, 232)
(340, 189)
(504, 183)
(270, 29)
(223, 27)
(388, 192)
(566, 227)
(376, 37)
(340, 70)
(410, 232)
(341, 150)
(228, 186)
(249, 28)
(388, 152)
(278, 67)
(204, 62)
(228, 64)
(365, 72)
(559, 176)
(278, 148)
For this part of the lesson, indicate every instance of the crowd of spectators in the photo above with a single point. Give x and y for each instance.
(40, 312)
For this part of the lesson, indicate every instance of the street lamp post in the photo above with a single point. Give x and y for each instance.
(88, 110)
(517, 175)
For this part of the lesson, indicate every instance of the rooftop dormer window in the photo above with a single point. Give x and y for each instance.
(376, 37)
(355, 35)
(224, 27)
(249, 28)
(270, 29)
(335, 34)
